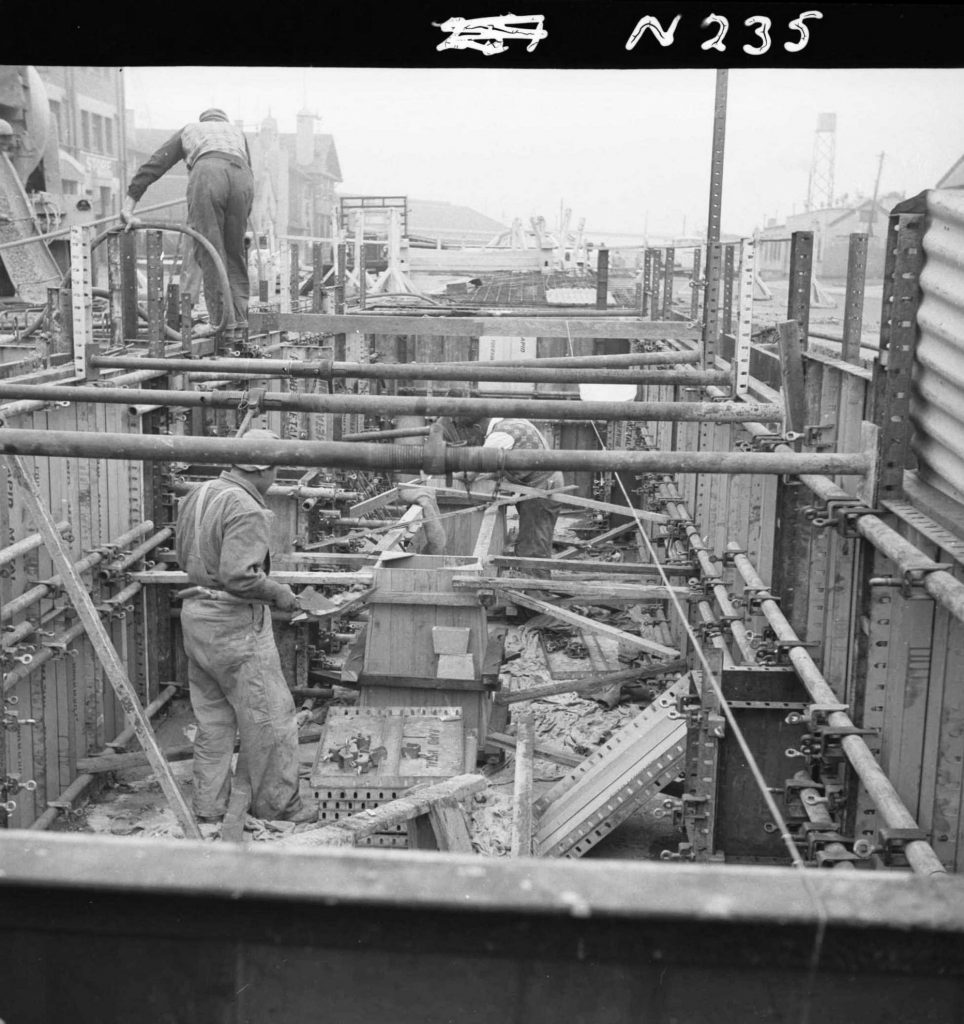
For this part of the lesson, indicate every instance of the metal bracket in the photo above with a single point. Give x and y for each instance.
(893, 841)
(253, 401)
(820, 435)
(815, 715)
(840, 513)
(754, 596)
(816, 744)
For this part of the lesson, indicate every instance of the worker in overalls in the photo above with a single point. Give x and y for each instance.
(234, 672)
(537, 516)
(220, 192)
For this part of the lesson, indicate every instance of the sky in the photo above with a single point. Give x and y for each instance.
(626, 149)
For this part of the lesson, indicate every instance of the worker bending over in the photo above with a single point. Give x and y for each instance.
(234, 671)
(220, 191)
(537, 516)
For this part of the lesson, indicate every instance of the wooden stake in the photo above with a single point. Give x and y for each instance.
(522, 794)
(100, 641)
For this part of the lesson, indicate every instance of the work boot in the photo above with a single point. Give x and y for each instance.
(304, 816)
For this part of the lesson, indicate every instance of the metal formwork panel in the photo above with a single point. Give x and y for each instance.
(602, 791)
(937, 401)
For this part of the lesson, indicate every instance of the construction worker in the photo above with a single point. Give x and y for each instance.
(537, 516)
(7, 140)
(234, 671)
(220, 192)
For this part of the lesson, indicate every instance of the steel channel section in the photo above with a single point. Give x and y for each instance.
(711, 309)
(647, 296)
(744, 322)
(854, 298)
(694, 285)
(670, 258)
(115, 279)
(81, 297)
(729, 272)
(155, 294)
(890, 808)
(899, 331)
(791, 557)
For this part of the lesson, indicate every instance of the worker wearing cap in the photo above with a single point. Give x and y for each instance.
(220, 192)
(7, 139)
(234, 671)
(537, 516)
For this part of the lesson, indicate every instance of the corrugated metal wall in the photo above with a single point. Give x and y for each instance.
(68, 695)
(937, 407)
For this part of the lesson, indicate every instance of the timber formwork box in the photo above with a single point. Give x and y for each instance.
(396, 658)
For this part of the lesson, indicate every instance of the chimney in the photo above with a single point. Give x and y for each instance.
(305, 138)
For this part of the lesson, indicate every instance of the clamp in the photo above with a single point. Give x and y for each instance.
(911, 582)
(891, 844)
(753, 597)
(840, 513)
(815, 716)
(252, 401)
(823, 742)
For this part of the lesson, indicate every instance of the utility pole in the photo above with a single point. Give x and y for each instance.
(873, 207)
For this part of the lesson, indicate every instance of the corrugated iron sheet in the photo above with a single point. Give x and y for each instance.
(937, 405)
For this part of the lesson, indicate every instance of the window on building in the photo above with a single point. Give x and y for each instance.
(109, 135)
(70, 187)
(97, 126)
(84, 129)
(106, 202)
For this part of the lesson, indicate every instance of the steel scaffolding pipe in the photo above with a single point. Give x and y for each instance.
(435, 460)
(324, 369)
(50, 586)
(60, 641)
(120, 565)
(676, 510)
(31, 403)
(390, 406)
(920, 855)
(943, 586)
(181, 487)
(28, 544)
(385, 435)
(667, 357)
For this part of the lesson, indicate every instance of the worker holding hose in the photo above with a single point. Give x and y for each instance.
(234, 672)
(220, 192)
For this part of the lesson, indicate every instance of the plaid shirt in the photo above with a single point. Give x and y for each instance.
(519, 434)
(189, 144)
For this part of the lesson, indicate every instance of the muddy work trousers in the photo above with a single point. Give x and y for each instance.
(219, 197)
(537, 523)
(237, 686)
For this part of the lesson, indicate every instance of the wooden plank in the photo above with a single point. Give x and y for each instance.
(448, 822)
(157, 576)
(106, 653)
(543, 750)
(587, 684)
(370, 504)
(575, 501)
(521, 841)
(425, 598)
(348, 831)
(578, 588)
(232, 828)
(574, 619)
(791, 372)
(569, 568)
(476, 327)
